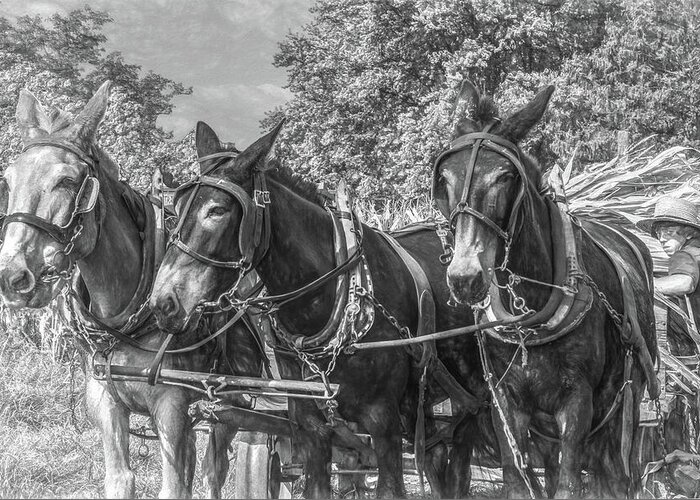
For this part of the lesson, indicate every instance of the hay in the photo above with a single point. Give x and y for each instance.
(625, 189)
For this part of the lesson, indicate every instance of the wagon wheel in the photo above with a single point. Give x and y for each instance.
(258, 468)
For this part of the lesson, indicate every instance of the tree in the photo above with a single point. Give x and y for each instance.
(374, 81)
(644, 79)
(62, 60)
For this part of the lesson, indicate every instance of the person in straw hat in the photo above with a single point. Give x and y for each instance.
(676, 224)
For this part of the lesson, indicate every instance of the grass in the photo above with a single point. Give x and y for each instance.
(50, 449)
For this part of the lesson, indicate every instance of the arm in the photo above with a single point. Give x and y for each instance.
(676, 284)
(683, 275)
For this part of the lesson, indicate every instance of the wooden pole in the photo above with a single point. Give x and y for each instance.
(362, 346)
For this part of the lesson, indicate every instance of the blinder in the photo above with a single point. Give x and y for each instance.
(477, 141)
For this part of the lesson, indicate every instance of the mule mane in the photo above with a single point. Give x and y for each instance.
(486, 111)
(106, 164)
(288, 178)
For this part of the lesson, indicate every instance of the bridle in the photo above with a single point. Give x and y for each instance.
(65, 234)
(505, 148)
(253, 242)
(254, 234)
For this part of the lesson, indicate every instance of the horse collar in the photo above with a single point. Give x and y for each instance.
(353, 314)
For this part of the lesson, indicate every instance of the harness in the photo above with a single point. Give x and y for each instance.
(570, 298)
(505, 148)
(572, 290)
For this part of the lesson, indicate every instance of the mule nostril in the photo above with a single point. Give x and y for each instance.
(168, 305)
(22, 281)
(468, 286)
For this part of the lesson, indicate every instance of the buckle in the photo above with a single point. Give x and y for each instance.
(261, 198)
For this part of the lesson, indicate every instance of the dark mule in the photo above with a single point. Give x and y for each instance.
(549, 381)
(216, 229)
(110, 227)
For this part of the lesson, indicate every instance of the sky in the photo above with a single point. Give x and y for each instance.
(223, 49)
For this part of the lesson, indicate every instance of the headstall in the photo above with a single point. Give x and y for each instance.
(254, 234)
(491, 142)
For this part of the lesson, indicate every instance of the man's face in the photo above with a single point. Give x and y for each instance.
(671, 237)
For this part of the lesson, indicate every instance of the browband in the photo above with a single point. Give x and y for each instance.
(61, 144)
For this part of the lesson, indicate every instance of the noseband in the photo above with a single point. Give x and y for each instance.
(67, 233)
(491, 142)
(254, 233)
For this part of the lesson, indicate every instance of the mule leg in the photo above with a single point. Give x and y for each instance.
(215, 463)
(177, 444)
(112, 419)
(380, 420)
(459, 472)
(518, 422)
(574, 422)
(436, 463)
(311, 441)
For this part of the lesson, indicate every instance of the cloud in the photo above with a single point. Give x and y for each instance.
(233, 110)
(222, 48)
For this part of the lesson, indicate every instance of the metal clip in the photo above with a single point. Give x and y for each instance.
(261, 198)
(446, 257)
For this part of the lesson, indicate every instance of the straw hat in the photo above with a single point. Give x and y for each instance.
(670, 209)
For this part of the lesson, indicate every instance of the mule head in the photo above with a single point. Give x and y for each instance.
(213, 245)
(479, 187)
(51, 195)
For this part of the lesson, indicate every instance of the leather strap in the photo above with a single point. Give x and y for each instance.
(61, 144)
(111, 388)
(56, 232)
(154, 368)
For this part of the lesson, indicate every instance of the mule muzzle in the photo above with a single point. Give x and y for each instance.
(168, 311)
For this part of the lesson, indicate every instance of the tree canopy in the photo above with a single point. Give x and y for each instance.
(374, 81)
(62, 60)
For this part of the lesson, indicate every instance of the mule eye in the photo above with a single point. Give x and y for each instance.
(216, 211)
(67, 183)
(506, 177)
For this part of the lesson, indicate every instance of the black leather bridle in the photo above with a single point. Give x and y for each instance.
(65, 234)
(505, 148)
(254, 234)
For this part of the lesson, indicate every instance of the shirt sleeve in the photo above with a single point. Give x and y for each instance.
(684, 263)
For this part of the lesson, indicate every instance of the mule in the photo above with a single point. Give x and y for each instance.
(565, 388)
(66, 206)
(217, 244)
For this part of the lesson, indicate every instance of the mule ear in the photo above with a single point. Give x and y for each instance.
(464, 109)
(254, 156)
(516, 127)
(84, 127)
(31, 117)
(206, 140)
